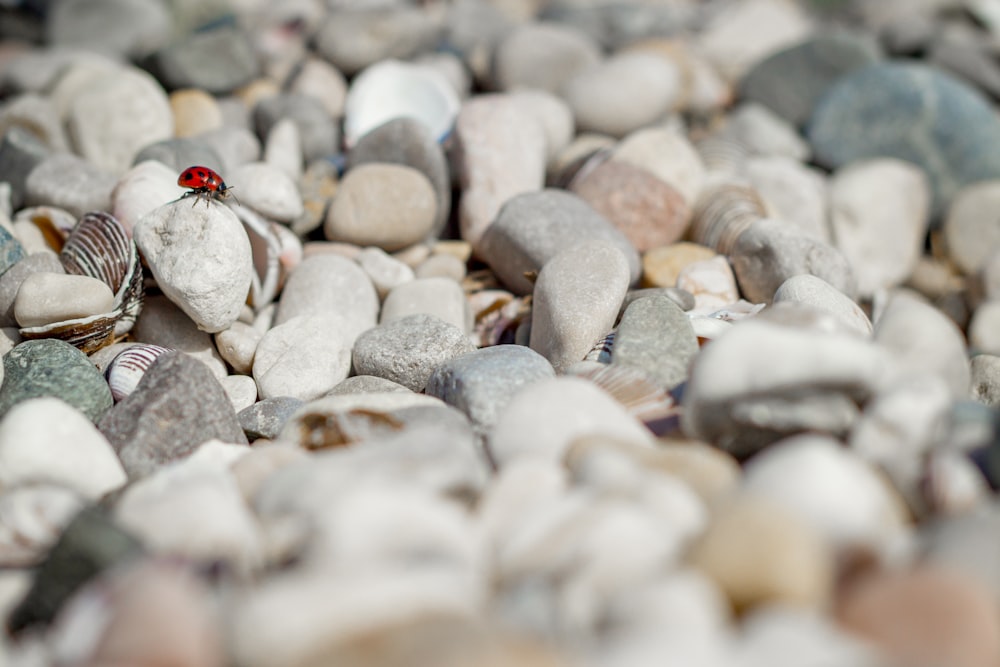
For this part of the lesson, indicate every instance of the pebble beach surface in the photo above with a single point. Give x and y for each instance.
(534, 333)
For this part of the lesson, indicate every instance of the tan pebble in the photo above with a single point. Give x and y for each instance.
(255, 91)
(348, 250)
(414, 255)
(662, 265)
(456, 248)
(195, 111)
(712, 283)
(442, 266)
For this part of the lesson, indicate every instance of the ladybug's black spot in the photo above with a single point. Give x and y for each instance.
(202, 174)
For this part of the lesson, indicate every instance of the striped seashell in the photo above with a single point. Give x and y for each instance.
(601, 352)
(724, 212)
(129, 366)
(723, 154)
(32, 517)
(640, 396)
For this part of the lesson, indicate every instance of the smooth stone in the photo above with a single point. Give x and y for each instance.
(50, 367)
(386, 205)
(385, 271)
(647, 210)
(627, 91)
(542, 55)
(179, 153)
(553, 114)
(48, 298)
(330, 284)
(683, 298)
(574, 308)
(923, 340)
(9, 337)
(661, 266)
(267, 190)
(765, 133)
(769, 632)
(482, 382)
(896, 110)
(241, 390)
(770, 252)
(442, 265)
(533, 228)
(712, 284)
(119, 28)
(970, 239)
(319, 134)
(266, 418)
(793, 192)
(318, 78)
(655, 337)
(11, 251)
(303, 357)
(217, 60)
(501, 149)
(545, 417)
(367, 384)
(354, 38)
(283, 149)
(143, 188)
(116, 115)
(195, 111)
(46, 439)
(235, 145)
(982, 331)
(965, 51)
(924, 615)
(668, 155)
(441, 298)
(177, 406)
(760, 553)
(408, 142)
(201, 259)
(409, 348)
(842, 497)
(985, 383)
(613, 26)
(20, 152)
(764, 379)
(879, 212)
(37, 116)
(69, 182)
(33, 514)
(818, 293)
(163, 323)
(792, 81)
(237, 345)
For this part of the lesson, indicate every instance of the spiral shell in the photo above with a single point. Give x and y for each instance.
(724, 212)
(129, 366)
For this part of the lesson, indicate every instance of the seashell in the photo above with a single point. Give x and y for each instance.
(601, 352)
(267, 250)
(32, 517)
(392, 89)
(54, 224)
(127, 368)
(724, 212)
(100, 248)
(497, 315)
(640, 396)
(579, 168)
(723, 154)
(952, 484)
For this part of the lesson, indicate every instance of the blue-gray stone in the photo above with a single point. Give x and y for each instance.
(655, 337)
(50, 367)
(20, 152)
(11, 251)
(911, 112)
(266, 418)
(482, 382)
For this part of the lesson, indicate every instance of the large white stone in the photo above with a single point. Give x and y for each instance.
(304, 357)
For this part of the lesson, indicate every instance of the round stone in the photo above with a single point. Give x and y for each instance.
(47, 298)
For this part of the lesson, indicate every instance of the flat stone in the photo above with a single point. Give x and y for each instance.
(241, 390)
(543, 55)
(195, 111)
(817, 293)
(69, 182)
(329, 283)
(765, 133)
(266, 418)
(218, 61)
(145, 187)
(441, 298)
(48, 298)
(655, 337)
(303, 357)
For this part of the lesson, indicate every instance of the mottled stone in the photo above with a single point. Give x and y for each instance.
(655, 337)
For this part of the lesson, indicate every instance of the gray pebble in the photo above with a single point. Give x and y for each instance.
(655, 337)
(20, 152)
(542, 55)
(319, 134)
(11, 251)
(217, 61)
(69, 182)
(266, 418)
(366, 384)
(353, 39)
(442, 298)
(179, 153)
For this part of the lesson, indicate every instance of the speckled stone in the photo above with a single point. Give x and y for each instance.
(655, 337)
(266, 418)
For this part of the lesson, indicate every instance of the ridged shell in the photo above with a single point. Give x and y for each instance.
(601, 352)
(267, 250)
(639, 395)
(723, 154)
(722, 213)
(31, 519)
(127, 368)
(88, 334)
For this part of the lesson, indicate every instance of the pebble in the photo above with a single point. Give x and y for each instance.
(37, 116)
(668, 155)
(765, 133)
(442, 265)
(482, 382)
(655, 337)
(759, 553)
(555, 117)
(533, 228)
(143, 188)
(619, 95)
(440, 297)
(218, 60)
(948, 141)
(241, 390)
(879, 213)
(163, 323)
(545, 417)
(792, 81)
(201, 259)
(266, 417)
(177, 406)
(283, 149)
(320, 136)
(179, 153)
(116, 115)
(661, 266)
(20, 153)
(52, 368)
(367, 384)
(712, 284)
(794, 193)
(237, 345)
(572, 310)
(47, 439)
(501, 150)
(194, 111)
(985, 383)
(11, 251)
(119, 29)
(982, 331)
(408, 348)
(330, 284)
(387, 205)
(385, 271)
(542, 55)
(267, 190)
(408, 142)
(970, 240)
(70, 182)
(353, 39)
(819, 294)
(319, 79)
(303, 357)
(48, 298)
(648, 211)
(235, 145)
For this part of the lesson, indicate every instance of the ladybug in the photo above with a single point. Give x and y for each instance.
(205, 184)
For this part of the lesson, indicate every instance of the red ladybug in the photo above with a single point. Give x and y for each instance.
(205, 184)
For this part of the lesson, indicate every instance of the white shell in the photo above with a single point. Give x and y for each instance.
(391, 89)
(31, 519)
(126, 370)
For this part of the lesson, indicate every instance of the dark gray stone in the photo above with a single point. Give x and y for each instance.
(534, 227)
(118, 28)
(11, 251)
(915, 113)
(408, 350)
(265, 419)
(792, 81)
(217, 61)
(408, 142)
(969, 55)
(20, 152)
(90, 544)
(177, 406)
(317, 129)
(50, 367)
(655, 337)
(366, 384)
(482, 382)
(180, 153)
